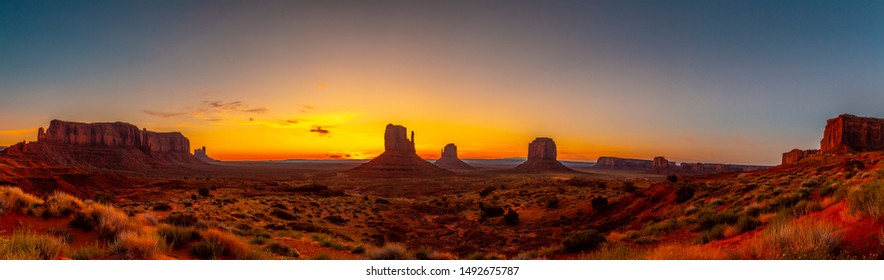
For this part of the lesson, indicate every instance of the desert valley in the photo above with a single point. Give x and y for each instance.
(115, 191)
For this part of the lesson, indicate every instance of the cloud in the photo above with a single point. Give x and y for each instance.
(163, 114)
(320, 130)
(292, 121)
(320, 85)
(307, 108)
(344, 156)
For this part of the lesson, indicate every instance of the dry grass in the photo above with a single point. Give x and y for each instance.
(685, 252)
(177, 236)
(60, 204)
(390, 251)
(216, 244)
(131, 245)
(24, 245)
(868, 199)
(108, 220)
(13, 198)
(794, 240)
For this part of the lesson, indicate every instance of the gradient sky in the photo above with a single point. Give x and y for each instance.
(712, 81)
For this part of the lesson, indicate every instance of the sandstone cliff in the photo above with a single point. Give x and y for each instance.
(624, 163)
(542, 157)
(202, 155)
(796, 155)
(398, 159)
(449, 159)
(852, 134)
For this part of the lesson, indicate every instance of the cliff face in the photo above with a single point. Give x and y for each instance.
(542, 157)
(795, 155)
(398, 159)
(852, 134)
(660, 163)
(624, 163)
(449, 159)
(105, 145)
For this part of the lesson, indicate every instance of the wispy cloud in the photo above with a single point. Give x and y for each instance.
(321, 131)
(163, 114)
(210, 110)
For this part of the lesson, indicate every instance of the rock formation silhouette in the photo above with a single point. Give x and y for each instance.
(398, 159)
(542, 157)
(450, 161)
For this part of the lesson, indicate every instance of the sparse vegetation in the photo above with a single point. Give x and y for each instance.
(131, 245)
(868, 199)
(25, 245)
(390, 251)
(582, 240)
(177, 236)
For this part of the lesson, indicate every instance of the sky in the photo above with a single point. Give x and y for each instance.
(694, 81)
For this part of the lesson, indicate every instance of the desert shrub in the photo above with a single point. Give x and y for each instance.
(672, 178)
(828, 190)
(283, 214)
(787, 201)
(487, 191)
(511, 218)
(162, 207)
(712, 234)
(181, 218)
(216, 244)
(629, 187)
(282, 250)
(683, 194)
(131, 245)
(684, 252)
(484, 256)
(279, 205)
(491, 211)
(552, 202)
(709, 219)
(792, 240)
(326, 241)
(599, 203)
(359, 249)
(88, 253)
(13, 198)
(177, 236)
(25, 245)
(335, 219)
(614, 251)
(868, 199)
(745, 224)
(390, 251)
(106, 219)
(82, 221)
(582, 240)
(60, 204)
(204, 192)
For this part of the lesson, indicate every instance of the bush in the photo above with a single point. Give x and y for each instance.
(335, 219)
(745, 224)
(712, 234)
(599, 203)
(552, 202)
(282, 250)
(13, 198)
(672, 179)
(708, 219)
(868, 199)
(511, 218)
(177, 236)
(60, 204)
(204, 192)
(683, 194)
(216, 244)
(131, 245)
(29, 246)
(491, 211)
(183, 219)
(88, 253)
(629, 187)
(282, 214)
(582, 240)
(106, 219)
(487, 191)
(390, 251)
(162, 207)
(813, 241)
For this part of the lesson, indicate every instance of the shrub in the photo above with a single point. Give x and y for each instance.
(203, 192)
(24, 245)
(712, 234)
(282, 250)
(359, 249)
(335, 219)
(484, 256)
(390, 251)
(487, 191)
(162, 207)
(672, 179)
(88, 253)
(131, 245)
(13, 198)
(177, 236)
(282, 214)
(552, 202)
(745, 224)
(684, 252)
(599, 203)
(791, 240)
(60, 204)
(708, 219)
(180, 218)
(582, 240)
(216, 244)
(491, 211)
(683, 194)
(511, 218)
(629, 187)
(868, 199)
(106, 219)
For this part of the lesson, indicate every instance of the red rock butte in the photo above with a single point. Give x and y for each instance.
(450, 161)
(542, 157)
(398, 159)
(845, 134)
(105, 145)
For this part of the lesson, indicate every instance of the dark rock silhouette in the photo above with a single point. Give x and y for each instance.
(105, 145)
(449, 159)
(661, 164)
(796, 155)
(852, 134)
(624, 163)
(542, 157)
(398, 159)
(202, 155)
(657, 166)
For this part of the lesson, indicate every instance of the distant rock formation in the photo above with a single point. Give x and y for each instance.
(398, 159)
(449, 159)
(2, 148)
(105, 145)
(660, 163)
(203, 156)
(624, 163)
(852, 134)
(796, 155)
(542, 157)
